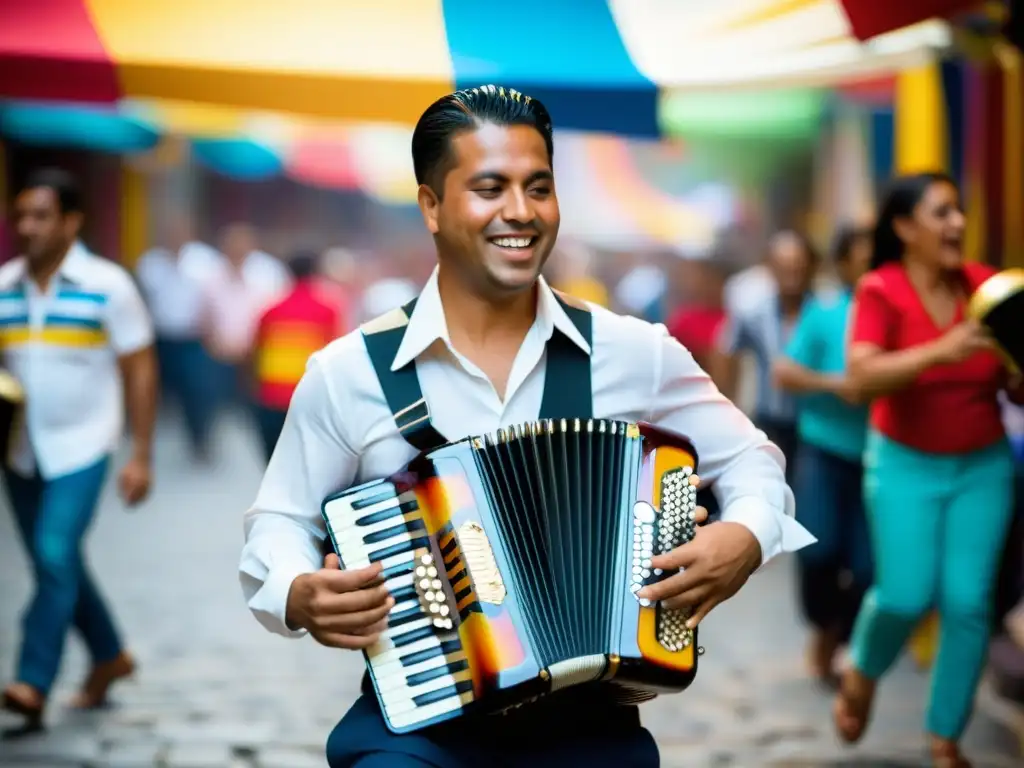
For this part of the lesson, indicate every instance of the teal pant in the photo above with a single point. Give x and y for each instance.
(938, 524)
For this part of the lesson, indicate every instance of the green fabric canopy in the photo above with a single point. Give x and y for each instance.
(765, 115)
(745, 136)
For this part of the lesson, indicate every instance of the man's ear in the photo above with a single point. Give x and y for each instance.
(430, 205)
(73, 224)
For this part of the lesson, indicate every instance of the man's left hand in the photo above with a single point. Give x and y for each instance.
(716, 563)
(134, 481)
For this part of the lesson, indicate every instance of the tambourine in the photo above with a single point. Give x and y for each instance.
(998, 304)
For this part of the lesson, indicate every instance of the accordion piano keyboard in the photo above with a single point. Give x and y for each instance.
(419, 668)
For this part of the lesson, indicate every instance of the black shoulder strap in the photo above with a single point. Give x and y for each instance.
(568, 390)
(401, 388)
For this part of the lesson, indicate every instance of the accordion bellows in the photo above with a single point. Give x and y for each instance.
(514, 559)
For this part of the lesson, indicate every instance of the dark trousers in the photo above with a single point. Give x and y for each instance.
(270, 421)
(537, 736)
(185, 376)
(228, 385)
(837, 570)
(783, 434)
(53, 516)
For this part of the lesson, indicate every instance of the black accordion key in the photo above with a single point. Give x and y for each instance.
(432, 674)
(397, 570)
(412, 636)
(412, 526)
(450, 646)
(404, 617)
(451, 691)
(385, 514)
(398, 549)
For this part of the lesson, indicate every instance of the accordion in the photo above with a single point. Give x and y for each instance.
(998, 304)
(514, 559)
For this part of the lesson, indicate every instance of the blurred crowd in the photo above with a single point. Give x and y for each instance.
(734, 310)
(220, 338)
(234, 325)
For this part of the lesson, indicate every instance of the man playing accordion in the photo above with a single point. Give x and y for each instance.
(488, 344)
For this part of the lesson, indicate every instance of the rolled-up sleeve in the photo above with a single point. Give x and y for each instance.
(746, 471)
(284, 529)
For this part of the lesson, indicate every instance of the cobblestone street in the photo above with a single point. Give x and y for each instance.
(214, 689)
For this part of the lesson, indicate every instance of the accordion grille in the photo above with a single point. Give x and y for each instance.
(560, 492)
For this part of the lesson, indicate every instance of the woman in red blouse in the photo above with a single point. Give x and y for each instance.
(938, 468)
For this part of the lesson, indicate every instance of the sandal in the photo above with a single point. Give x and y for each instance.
(946, 754)
(93, 693)
(17, 698)
(852, 708)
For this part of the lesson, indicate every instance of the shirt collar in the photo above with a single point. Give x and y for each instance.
(427, 323)
(72, 267)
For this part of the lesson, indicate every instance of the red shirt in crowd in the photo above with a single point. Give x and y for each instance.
(288, 333)
(948, 408)
(696, 328)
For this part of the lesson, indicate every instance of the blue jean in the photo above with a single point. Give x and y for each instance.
(938, 524)
(53, 516)
(836, 571)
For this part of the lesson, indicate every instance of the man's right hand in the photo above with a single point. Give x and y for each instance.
(341, 609)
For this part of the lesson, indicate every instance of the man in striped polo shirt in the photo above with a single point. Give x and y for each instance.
(75, 333)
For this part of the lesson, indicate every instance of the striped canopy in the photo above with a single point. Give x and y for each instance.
(597, 64)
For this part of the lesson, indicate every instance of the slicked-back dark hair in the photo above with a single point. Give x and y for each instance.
(467, 110)
(64, 185)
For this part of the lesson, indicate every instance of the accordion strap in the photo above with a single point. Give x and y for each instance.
(568, 393)
(402, 387)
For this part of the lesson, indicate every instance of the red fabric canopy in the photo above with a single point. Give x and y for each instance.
(49, 49)
(869, 18)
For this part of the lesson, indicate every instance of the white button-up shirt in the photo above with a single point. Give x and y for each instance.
(173, 286)
(340, 431)
(62, 344)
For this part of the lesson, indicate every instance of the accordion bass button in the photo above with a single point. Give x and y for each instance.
(643, 513)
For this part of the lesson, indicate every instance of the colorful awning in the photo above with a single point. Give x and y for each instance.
(597, 65)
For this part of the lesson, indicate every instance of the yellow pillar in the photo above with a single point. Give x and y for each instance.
(921, 133)
(134, 214)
